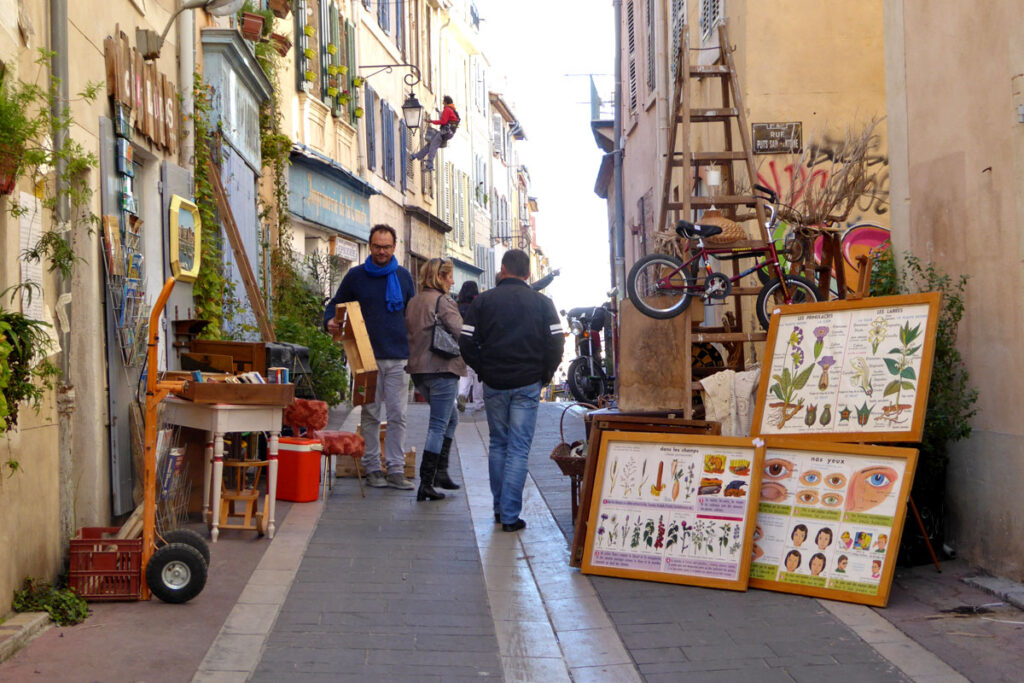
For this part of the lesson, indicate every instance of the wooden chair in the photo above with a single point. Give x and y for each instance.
(308, 418)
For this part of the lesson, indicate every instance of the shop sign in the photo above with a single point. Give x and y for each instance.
(346, 249)
(777, 138)
(147, 96)
(185, 235)
(322, 200)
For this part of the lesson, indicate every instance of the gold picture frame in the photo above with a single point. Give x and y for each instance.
(849, 370)
(830, 516)
(675, 508)
(186, 228)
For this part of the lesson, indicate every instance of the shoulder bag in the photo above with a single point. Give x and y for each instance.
(441, 340)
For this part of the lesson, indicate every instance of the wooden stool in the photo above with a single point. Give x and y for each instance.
(242, 501)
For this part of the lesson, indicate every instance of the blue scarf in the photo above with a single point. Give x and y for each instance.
(393, 290)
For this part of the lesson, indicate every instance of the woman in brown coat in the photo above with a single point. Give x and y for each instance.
(435, 377)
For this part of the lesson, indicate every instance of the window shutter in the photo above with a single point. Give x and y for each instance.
(403, 141)
(371, 142)
(650, 45)
(678, 20)
(323, 35)
(383, 7)
(350, 63)
(710, 17)
(400, 25)
(496, 134)
(631, 54)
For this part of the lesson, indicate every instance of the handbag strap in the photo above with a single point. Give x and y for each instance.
(437, 319)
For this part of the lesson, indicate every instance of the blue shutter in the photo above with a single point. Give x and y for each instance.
(403, 138)
(350, 62)
(400, 25)
(386, 157)
(371, 143)
(383, 8)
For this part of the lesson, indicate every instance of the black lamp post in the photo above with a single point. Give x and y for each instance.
(412, 110)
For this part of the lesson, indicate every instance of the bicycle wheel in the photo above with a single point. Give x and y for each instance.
(658, 286)
(801, 291)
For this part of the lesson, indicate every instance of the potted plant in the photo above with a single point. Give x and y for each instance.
(281, 43)
(251, 26)
(308, 29)
(357, 82)
(280, 8)
(18, 101)
(309, 75)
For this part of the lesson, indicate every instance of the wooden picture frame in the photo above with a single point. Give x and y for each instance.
(849, 370)
(842, 504)
(699, 534)
(597, 422)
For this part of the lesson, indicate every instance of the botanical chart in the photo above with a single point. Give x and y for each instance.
(829, 519)
(674, 508)
(849, 370)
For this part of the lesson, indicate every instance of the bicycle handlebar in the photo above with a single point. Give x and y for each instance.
(773, 197)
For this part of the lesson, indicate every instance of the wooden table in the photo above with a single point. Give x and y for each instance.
(218, 419)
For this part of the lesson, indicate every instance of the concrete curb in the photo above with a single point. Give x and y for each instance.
(1004, 589)
(19, 630)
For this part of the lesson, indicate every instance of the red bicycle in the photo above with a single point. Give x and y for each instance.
(662, 286)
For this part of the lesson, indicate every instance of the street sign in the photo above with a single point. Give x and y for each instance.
(777, 138)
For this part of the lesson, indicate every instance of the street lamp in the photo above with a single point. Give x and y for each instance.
(149, 43)
(412, 110)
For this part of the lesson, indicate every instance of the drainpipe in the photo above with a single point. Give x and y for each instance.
(186, 67)
(619, 243)
(361, 130)
(65, 390)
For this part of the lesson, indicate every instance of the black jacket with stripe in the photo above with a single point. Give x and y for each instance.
(512, 336)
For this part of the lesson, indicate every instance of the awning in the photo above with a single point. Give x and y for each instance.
(332, 168)
(430, 219)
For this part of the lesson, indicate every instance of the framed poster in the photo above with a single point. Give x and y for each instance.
(829, 518)
(674, 508)
(849, 370)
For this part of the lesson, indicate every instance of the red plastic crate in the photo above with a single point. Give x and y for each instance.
(105, 568)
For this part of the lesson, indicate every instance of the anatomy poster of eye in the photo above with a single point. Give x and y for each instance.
(849, 370)
(673, 507)
(829, 519)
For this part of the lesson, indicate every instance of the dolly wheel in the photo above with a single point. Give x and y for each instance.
(188, 537)
(176, 573)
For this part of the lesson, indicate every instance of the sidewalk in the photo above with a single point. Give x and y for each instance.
(363, 589)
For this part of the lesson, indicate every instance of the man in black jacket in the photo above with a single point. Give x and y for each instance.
(513, 338)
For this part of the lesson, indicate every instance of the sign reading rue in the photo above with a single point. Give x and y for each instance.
(777, 138)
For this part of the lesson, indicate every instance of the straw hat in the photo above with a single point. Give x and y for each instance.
(731, 230)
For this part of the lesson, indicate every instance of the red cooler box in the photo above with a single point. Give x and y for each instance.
(298, 470)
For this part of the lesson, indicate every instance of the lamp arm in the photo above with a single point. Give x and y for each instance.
(410, 79)
(191, 4)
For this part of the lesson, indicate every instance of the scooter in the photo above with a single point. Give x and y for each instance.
(588, 378)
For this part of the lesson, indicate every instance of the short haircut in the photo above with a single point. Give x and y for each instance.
(433, 273)
(516, 262)
(380, 227)
(448, 100)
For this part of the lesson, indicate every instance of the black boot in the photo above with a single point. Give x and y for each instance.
(441, 478)
(428, 467)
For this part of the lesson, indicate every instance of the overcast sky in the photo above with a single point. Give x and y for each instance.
(535, 44)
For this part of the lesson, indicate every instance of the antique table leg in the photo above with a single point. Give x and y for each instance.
(272, 482)
(216, 485)
(207, 466)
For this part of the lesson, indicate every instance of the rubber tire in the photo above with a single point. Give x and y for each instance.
(643, 306)
(579, 365)
(802, 291)
(188, 537)
(189, 564)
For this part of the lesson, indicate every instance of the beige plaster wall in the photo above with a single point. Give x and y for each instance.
(966, 188)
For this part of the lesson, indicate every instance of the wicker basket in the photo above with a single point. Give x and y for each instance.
(731, 230)
(571, 458)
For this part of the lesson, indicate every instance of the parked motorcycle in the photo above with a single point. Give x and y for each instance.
(588, 378)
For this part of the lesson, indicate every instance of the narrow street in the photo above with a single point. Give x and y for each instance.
(384, 587)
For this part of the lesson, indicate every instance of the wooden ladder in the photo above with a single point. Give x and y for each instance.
(730, 114)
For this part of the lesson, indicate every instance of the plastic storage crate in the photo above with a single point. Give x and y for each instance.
(105, 568)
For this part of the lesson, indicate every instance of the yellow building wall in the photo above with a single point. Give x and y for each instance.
(963, 184)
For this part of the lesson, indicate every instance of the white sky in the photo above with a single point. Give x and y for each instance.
(534, 44)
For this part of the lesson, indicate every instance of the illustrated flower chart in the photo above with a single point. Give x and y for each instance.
(825, 519)
(845, 371)
(674, 508)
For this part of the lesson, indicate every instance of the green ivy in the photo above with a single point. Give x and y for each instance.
(208, 289)
(64, 606)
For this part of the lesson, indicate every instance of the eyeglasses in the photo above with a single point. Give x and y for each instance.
(382, 247)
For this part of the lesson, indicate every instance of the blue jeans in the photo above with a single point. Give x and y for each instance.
(440, 390)
(511, 420)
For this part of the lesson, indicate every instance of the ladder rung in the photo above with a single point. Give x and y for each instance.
(709, 157)
(730, 337)
(720, 200)
(709, 70)
(700, 115)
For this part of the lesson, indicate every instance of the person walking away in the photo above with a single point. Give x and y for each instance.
(382, 288)
(470, 389)
(512, 337)
(435, 377)
(449, 123)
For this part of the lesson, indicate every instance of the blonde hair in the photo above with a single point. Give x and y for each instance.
(434, 272)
